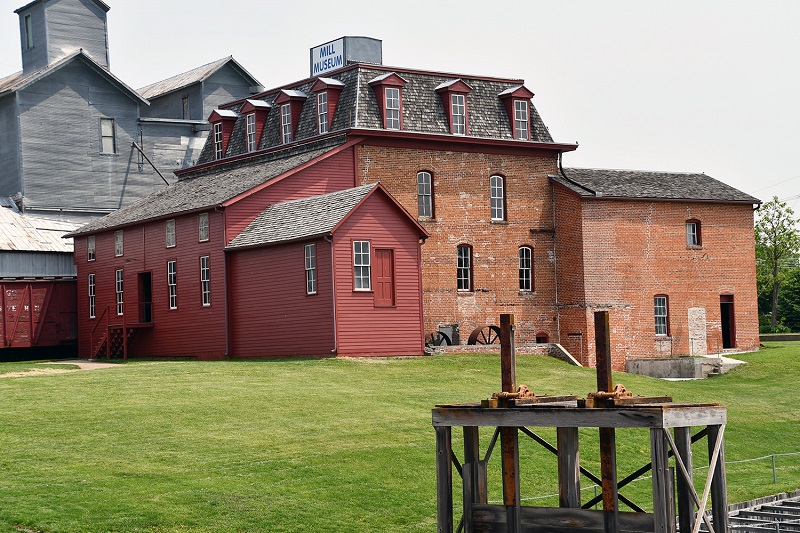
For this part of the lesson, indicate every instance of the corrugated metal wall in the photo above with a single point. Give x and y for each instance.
(74, 24)
(10, 183)
(21, 264)
(34, 58)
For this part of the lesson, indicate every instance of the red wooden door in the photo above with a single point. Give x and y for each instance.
(384, 277)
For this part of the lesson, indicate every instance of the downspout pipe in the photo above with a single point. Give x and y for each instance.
(329, 240)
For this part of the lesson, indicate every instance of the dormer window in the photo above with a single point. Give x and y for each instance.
(517, 103)
(255, 112)
(222, 121)
(328, 91)
(388, 92)
(291, 103)
(454, 100)
(28, 32)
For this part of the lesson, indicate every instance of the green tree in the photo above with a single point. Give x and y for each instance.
(777, 247)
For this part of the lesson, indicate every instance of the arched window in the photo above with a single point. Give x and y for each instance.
(693, 234)
(425, 194)
(498, 197)
(525, 269)
(464, 268)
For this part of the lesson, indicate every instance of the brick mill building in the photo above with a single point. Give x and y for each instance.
(505, 229)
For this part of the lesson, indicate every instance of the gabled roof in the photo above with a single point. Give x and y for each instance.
(308, 217)
(33, 234)
(16, 82)
(210, 190)
(191, 77)
(640, 184)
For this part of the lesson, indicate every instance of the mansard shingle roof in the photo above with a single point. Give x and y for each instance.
(639, 184)
(300, 219)
(358, 108)
(211, 189)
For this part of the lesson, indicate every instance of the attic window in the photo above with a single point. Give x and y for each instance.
(251, 132)
(255, 112)
(108, 141)
(291, 102)
(517, 103)
(454, 101)
(28, 32)
(218, 150)
(328, 91)
(389, 94)
(222, 121)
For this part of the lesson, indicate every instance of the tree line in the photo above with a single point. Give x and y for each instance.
(777, 268)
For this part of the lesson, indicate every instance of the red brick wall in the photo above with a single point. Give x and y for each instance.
(462, 216)
(634, 250)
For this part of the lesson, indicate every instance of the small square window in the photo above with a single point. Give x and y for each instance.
(361, 266)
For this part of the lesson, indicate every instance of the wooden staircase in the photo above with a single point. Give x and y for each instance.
(113, 339)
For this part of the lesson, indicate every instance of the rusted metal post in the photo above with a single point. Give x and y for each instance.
(608, 444)
(509, 437)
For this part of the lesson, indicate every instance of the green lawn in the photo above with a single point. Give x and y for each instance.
(320, 445)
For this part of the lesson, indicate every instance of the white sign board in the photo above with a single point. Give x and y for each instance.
(327, 57)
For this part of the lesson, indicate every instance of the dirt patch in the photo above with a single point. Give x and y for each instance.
(82, 364)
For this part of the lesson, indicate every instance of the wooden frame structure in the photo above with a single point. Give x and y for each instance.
(659, 417)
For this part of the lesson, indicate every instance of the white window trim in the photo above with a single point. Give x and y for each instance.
(661, 327)
(464, 265)
(322, 112)
(118, 287)
(393, 121)
(424, 194)
(119, 241)
(458, 108)
(497, 197)
(525, 270)
(92, 301)
(205, 281)
(521, 120)
(218, 154)
(362, 269)
(172, 283)
(286, 123)
(311, 268)
(251, 132)
(169, 227)
(202, 227)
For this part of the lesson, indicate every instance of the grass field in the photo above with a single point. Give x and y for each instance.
(320, 445)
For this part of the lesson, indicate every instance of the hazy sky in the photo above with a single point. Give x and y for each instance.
(679, 85)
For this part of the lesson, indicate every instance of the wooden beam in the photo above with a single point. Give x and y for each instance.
(444, 481)
(683, 454)
(569, 472)
(663, 503)
(719, 487)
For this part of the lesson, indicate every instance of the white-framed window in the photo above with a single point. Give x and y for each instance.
(251, 132)
(90, 247)
(311, 268)
(286, 123)
(498, 197)
(172, 283)
(464, 268)
(392, 101)
(322, 111)
(91, 296)
(218, 140)
(693, 235)
(118, 289)
(521, 119)
(459, 114)
(108, 140)
(424, 194)
(28, 32)
(661, 314)
(202, 227)
(170, 230)
(525, 268)
(118, 241)
(361, 266)
(205, 281)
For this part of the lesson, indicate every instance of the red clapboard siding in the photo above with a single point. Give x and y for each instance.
(332, 174)
(271, 314)
(190, 330)
(363, 328)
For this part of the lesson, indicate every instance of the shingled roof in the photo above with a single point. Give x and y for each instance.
(301, 219)
(357, 107)
(640, 184)
(211, 189)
